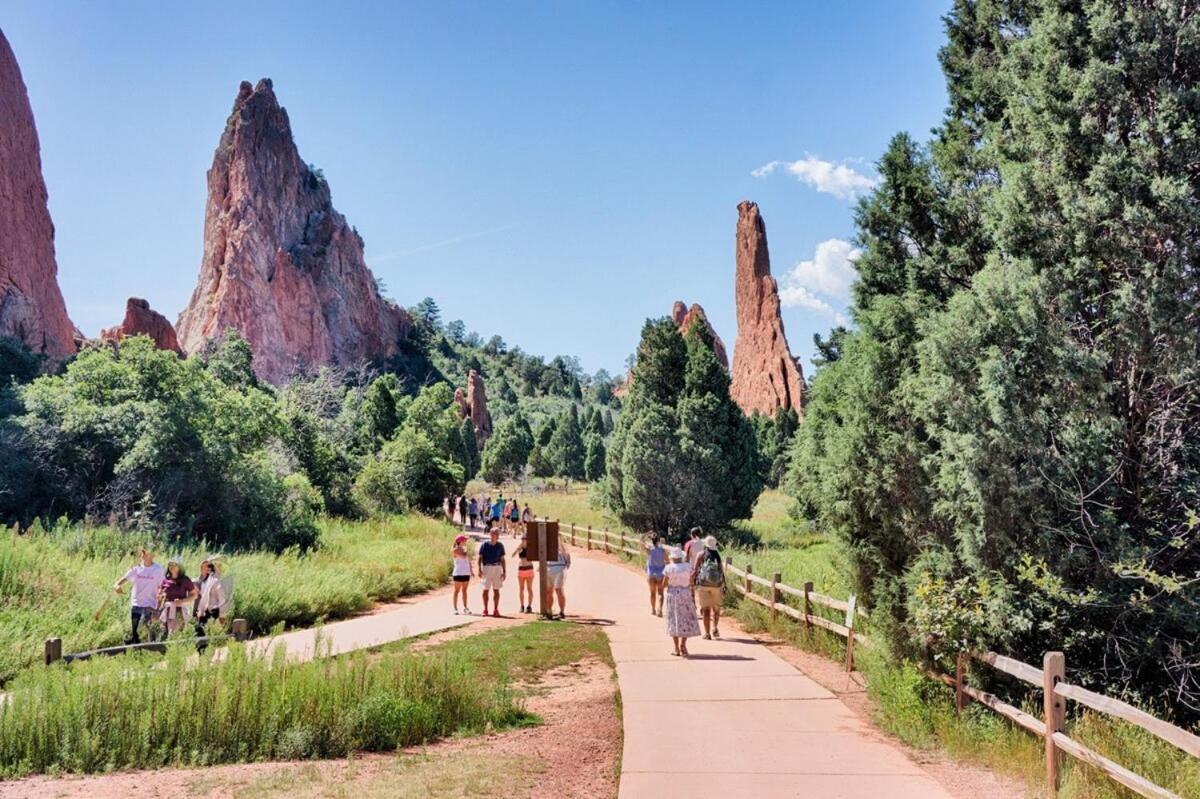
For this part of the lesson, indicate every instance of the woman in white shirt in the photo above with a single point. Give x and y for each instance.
(216, 595)
(681, 608)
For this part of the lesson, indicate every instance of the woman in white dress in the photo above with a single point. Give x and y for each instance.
(681, 608)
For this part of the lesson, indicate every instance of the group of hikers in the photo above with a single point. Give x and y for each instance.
(682, 580)
(687, 583)
(164, 600)
(490, 566)
(474, 512)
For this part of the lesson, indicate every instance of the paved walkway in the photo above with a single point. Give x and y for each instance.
(733, 720)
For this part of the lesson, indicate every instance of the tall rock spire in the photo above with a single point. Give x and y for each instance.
(765, 375)
(280, 264)
(31, 304)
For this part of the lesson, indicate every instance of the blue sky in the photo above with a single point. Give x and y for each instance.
(553, 172)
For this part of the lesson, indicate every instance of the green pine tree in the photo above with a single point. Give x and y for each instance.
(593, 462)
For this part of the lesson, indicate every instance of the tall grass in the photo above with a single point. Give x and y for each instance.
(52, 582)
(98, 716)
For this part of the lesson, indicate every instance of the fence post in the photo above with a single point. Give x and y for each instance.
(808, 587)
(749, 571)
(53, 651)
(589, 538)
(1054, 669)
(607, 551)
(775, 580)
(573, 534)
(960, 673)
(851, 618)
(239, 630)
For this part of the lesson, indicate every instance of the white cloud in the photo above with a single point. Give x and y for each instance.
(817, 284)
(830, 271)
(838, 179)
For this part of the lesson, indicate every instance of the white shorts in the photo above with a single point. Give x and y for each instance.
(493, 577)
(556, 578)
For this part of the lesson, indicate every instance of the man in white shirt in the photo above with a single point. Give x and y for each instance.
(146, 578)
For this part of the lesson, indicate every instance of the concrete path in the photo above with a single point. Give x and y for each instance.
(734, 719)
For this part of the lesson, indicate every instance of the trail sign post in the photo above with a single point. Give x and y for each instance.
(541, 544)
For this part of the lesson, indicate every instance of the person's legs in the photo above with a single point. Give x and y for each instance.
(653, 583)
(662, 588)
(135, 618)
(485, 596)
(562, 601)
(706, 614)
(716, 621)
(675, 639)
(495, 601)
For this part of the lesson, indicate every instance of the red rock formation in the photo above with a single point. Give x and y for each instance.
(765, 375)
(142, 320)
(684, 317)
(473, 403)
(280, 264)
(31, 304)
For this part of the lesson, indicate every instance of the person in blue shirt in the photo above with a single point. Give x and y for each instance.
(656, 562)
(493, 570)
(497, 511)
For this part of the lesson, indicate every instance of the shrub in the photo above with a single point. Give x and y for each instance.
(408, 473)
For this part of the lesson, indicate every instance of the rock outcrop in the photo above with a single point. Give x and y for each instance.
(31, 304)
(142, 320)
(765, 375)
(473, 403)
(684, 316)
(280, 264)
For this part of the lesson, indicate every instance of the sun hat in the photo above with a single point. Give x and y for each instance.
(176, 559)
(677, 554)
(460, 539)
(710, 542)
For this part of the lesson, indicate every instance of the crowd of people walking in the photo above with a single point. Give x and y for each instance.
(482, 512)
(693, 578)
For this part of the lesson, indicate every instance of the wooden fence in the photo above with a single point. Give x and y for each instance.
(238, 631)
(1050, 678)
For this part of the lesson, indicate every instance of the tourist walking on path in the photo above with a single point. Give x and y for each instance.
(527, 514)
(145, 577)
(497, 511)
(493, 570)
(681, 610)
(176, 593)
(216, 596)
(556, 577)
(524, 577)
(460, 575)
(473, 511)
(709, 579)
(462, 511)
(656, 562)
(514, 518)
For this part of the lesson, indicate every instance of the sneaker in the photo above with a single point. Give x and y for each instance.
(496, 614)
(707, 637)
(716, 633)
(456, 611)
(529, 609)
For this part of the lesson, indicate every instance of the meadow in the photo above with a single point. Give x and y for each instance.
(53, 581)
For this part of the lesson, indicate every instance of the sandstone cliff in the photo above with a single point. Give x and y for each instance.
(684, 316)
(280, 264)
(473, 403)
(142, 320)
(31, 304)
(765, 375)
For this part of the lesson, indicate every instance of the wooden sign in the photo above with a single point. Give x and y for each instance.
(532, 549)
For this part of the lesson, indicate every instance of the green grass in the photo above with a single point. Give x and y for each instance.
(111, 714)
(98, 716)
(51, 583)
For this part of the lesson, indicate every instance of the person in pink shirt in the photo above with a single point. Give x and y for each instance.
(145, 577)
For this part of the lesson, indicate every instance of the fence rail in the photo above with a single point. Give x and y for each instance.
(238, 631)
(1050, 678)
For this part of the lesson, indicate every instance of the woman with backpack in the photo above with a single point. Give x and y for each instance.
(708, 576)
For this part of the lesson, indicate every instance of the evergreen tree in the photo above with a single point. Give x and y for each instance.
(545, 432)
(566, 451)
(593, 462)
(539, 464)
(507, 451)
(378, 411)
(470, 446)
(682, 452)
(1015, 409)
